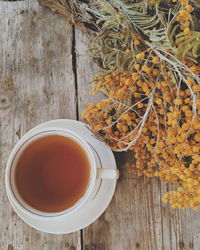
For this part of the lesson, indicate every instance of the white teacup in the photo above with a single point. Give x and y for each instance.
(95, 171)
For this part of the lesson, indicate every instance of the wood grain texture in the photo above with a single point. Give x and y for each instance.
(39, 81)
(35, 53)
(85, 72)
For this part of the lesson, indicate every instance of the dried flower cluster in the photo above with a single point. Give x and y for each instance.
(144, 113)
(154, 111)
(150, 53)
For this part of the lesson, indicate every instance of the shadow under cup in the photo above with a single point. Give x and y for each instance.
(57, 185)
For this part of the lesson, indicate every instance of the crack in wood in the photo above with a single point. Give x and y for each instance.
(74, 68)
(82, 240)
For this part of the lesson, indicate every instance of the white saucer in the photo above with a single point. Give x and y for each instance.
(87, 214)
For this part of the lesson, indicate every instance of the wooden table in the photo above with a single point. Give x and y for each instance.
(44, 71)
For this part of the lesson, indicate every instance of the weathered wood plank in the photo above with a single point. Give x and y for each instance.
(183, 225)
(85, 72)
(132, 221)
(35, 52)
(40, 65)
(136, 217)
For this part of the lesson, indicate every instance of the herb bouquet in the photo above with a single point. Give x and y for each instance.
(149, 52)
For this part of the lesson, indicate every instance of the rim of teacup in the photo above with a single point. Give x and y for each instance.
(15, 154)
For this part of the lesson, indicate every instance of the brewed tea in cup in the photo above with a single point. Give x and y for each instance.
(52, 171)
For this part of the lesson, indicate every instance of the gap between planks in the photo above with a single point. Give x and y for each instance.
(74, 68)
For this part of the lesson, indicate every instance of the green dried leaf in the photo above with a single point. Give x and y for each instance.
(189, 45)
(114, 24)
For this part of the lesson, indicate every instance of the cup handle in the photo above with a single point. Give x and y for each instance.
(107, 173)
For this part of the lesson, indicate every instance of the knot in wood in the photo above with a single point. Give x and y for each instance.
(6, 95)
